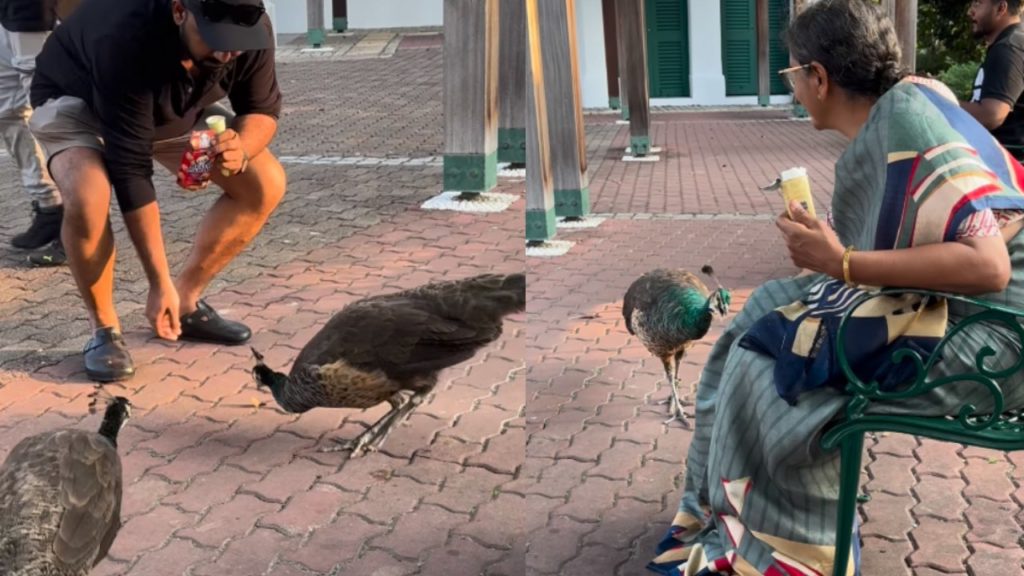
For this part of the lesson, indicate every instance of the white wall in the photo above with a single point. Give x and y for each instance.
(590, 38)
(289, 16)
(707, 79)
(395, 13)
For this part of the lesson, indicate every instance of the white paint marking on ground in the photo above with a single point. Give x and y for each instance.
(505, 172)
(687, 216)
(550, 248)
(362, 160)
(650, 158)
(486, 202)
(585, 222)
(654, 149)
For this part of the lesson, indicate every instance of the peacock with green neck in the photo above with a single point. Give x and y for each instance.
(670, 310)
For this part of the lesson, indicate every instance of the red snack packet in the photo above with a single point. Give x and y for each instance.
(197, 161)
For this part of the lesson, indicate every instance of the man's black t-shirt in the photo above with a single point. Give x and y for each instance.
(1001, 77)
(124, 59)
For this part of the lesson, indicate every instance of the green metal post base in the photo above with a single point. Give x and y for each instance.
(640, 145)
(572, 203)
(470, 172)
(340, 24)
(625, 112)
(764, 100)
(315, 38)
(614, 103)
(512, 145)
(799, 111)
(540, 225)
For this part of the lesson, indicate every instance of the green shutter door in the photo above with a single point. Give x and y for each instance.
(668, 48)
(739, 47)
(778, 56)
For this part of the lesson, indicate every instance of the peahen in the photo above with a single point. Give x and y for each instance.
(669, 310)
(390, 348)
(60, 497)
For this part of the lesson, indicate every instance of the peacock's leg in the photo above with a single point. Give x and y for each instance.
(675, 387)
(675, 405)
(402, 404)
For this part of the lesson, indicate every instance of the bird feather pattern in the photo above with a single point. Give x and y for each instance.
(60, 497)
(382, 344)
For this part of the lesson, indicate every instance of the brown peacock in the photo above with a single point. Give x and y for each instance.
(60, 497)
(390, 348)
(669, 310)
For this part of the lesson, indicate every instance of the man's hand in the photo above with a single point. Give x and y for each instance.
(162, 310)
(230, 154)
(812, 244)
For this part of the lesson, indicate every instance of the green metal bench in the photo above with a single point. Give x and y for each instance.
(999, 430)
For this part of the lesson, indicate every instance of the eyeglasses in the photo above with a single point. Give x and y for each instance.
(242, 14)
(787, 78)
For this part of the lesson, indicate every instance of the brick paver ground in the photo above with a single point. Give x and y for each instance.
(603, 472)
(215, 484)
(712, 162)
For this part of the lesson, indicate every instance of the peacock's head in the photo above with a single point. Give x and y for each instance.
(720, 300)
(115, 415)
(264, 376)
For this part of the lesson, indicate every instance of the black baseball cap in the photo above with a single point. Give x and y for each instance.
(230, 25)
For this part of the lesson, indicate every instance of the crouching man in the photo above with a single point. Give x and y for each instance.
(121, 84)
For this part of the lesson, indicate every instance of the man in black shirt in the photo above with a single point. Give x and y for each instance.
(998, 98)
(122, 83)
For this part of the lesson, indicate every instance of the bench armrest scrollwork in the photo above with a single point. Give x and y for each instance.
(863, 393)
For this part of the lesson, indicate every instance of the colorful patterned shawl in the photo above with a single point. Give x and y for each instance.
(942, 167)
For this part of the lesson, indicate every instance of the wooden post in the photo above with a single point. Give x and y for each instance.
(906, 31)
(564, 105)
(634, 34)
(540, 195)
(339, 12)
(611, 52)
(620, 57)
(512, 84)
(764, 81)
(470, 95)
(795, 6)
(315, 23)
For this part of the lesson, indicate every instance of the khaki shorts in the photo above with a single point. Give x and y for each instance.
(67, 122)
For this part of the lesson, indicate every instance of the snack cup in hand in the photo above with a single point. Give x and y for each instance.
(797, 186)
(218, 124)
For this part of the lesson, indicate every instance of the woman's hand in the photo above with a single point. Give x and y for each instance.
(812, 244)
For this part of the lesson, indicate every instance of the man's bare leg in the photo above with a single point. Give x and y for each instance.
(88, 239)
(89, 243)
(234, 220)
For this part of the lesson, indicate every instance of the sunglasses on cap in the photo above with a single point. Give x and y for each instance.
(242, 14)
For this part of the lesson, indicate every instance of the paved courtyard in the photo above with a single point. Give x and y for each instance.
(218, 481)
(603, 472)
(215, 481)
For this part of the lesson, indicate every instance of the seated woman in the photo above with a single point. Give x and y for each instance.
(924, 198)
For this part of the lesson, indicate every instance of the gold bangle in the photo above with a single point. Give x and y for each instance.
(846, 265)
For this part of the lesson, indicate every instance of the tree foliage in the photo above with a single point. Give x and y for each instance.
(944, 36)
